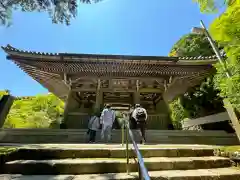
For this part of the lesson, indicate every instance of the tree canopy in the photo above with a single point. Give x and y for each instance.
(201, 100)
(212, 6)
(60, 11)
(4, 92)
(41, 111)
(63, 11)
(225, 30)
(192, 45)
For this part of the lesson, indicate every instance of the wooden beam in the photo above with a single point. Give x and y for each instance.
(168, 82)
(170, 79)
(165, 85)
(141, 90)
(120, 104)
(87, 100)
(99, 85)
(75, 80)
(137, 85)
(65, 81)
(136, 94)
(70, 82)
(233, 117)
(110, 84)
(99, 95)
(119, 78)
(150, 90)
(65, 77)
(159, 82)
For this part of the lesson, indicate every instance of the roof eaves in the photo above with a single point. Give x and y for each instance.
(8, 49)
(120, 57)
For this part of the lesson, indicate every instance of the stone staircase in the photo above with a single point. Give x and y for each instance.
(153, 136)
(104, 162)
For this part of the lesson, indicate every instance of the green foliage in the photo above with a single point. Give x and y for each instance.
(178, 113)
(40, 111)
(60, 11)
(2, 93)
(201, 100)
(192, 45)
(212, 6)
(225, 30)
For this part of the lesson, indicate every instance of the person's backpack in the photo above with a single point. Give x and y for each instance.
(140, 114)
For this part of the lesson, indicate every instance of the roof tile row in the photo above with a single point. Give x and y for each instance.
(9, 48)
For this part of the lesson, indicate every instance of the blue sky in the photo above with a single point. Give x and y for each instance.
(128, 27)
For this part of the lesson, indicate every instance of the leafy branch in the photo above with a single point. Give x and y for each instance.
(60, 11)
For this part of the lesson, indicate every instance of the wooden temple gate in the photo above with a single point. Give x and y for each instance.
(94, 93)
(86, 81)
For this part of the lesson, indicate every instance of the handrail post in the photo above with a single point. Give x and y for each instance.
(127, 150)
(143, 173)
(139, 172)
(123, 125)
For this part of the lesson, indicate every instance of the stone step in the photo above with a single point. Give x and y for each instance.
(80, 136)
(152, 140)
(114, 131)
(110, 165)
(62, 153)
(198, 174)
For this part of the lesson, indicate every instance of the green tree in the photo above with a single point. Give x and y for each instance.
(39, 111)
(178, 113)
(225, 30)
(212, 6)
(4, 92)
(200, 100)
(60, 11)
(192, 45)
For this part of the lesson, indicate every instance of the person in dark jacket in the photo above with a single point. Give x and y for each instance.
(93, 126)
(140, 116)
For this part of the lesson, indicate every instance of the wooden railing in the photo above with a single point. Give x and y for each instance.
(77, 120)
(157, 121)
(223, 116)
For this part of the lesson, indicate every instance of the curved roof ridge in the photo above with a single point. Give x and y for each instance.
(176, 58)
(11, 48)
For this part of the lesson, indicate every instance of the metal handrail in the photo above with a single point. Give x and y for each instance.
(142, 170)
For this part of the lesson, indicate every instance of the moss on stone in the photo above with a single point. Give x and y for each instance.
(230, 148)
(5, 153)
(7, 150)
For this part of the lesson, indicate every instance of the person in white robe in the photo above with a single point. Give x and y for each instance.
(107, 119)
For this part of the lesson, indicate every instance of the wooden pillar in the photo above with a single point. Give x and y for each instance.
(99, 96)
(137, 94)
(66, 107)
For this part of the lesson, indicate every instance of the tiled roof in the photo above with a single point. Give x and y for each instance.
(9, 49)
(50, 69)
